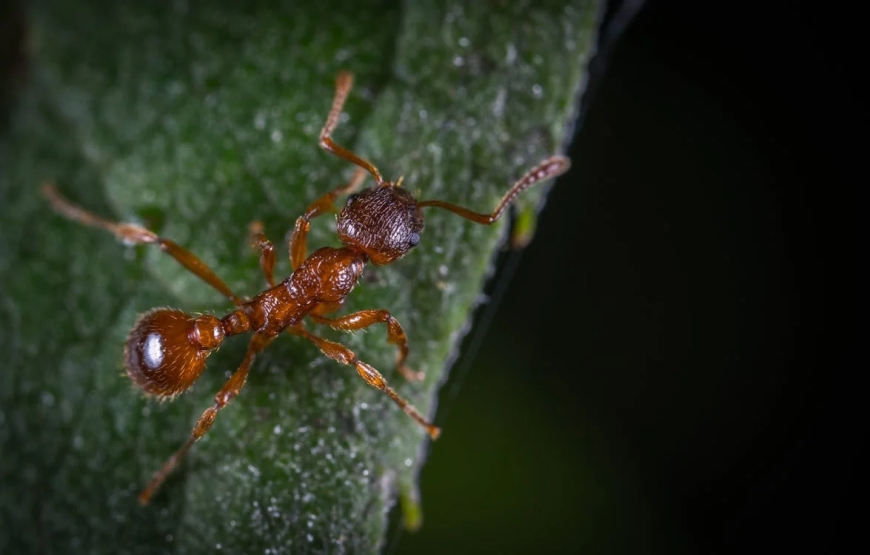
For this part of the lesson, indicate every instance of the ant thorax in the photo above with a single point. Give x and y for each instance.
(384, 222)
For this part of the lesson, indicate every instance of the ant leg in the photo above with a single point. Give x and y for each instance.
(549, 168)
(258, 240)
(132, 234)
(299, 240)
(227, 393)
(365, 318)
(343, 84)
(343, 355)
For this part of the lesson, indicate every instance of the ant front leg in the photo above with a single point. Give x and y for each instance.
(227, 393)
(343, 355)
(343, 84)
(133, 234)
(395, 333)
(326, 203)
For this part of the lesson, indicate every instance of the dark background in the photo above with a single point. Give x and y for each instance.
(673, 366)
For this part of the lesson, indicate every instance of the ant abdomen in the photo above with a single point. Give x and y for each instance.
(166, 351)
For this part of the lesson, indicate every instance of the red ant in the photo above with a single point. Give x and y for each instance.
(166, 351)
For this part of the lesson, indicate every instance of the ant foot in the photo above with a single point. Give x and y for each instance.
(411, 375)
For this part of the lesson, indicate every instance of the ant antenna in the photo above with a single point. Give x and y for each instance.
(549, 168)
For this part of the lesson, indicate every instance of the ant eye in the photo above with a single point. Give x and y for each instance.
(351, 199)
(414, 239)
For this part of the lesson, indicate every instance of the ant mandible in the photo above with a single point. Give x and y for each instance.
(167, 349)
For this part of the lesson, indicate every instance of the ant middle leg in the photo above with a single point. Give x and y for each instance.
(343, 84)
(343, 355)
(298, 246)
(257, 238)
(227, 393)
(133, 234)
(365, 318)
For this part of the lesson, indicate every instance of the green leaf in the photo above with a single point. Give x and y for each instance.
(195, 120)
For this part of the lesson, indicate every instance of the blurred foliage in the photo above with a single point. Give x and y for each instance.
(195, 120)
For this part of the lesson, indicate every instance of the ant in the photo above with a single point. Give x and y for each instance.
(167, 349)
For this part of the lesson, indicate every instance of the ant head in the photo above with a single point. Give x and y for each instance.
(384, 222)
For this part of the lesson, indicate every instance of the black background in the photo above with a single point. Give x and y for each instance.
(674, 364)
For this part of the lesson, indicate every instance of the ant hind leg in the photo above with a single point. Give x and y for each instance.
(343, 355)
(227, 393)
